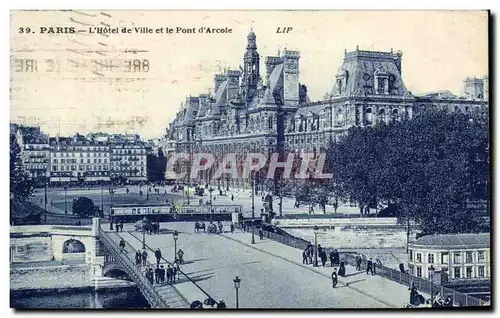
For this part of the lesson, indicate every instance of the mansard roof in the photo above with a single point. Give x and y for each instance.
(361, 68)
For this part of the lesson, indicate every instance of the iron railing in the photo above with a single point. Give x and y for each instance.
(151, 295)
(422, 284)
(184, 274)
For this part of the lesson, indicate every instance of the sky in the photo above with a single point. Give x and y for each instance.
(135, 82)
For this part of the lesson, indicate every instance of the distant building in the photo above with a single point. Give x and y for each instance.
(35, 151)
(460, 256)
(248, 112)
(78, 159)
(128, 157)
(92, 158)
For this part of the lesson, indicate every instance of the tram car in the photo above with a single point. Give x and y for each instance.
(165, 212)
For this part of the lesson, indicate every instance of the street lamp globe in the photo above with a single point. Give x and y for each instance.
(176, 235)
(237, 282)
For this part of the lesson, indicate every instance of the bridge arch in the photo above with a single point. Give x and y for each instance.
(73, 246)
(116, 272)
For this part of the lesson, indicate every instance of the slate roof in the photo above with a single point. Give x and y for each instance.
(359, 63)
(469, 240)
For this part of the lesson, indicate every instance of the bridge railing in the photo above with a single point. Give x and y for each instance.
(187, 277)
(144, 285)
(421, 284)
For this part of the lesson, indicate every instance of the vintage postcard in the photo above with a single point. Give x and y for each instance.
(249, 159)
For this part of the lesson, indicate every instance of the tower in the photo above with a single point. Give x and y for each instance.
(251, 76)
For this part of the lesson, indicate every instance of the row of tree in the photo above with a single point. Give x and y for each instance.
(429, 169)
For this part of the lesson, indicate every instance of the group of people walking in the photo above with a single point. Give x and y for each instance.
(336, 262)
(160, 274)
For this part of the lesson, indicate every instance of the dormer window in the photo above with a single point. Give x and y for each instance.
(342, 78)
(381, 86)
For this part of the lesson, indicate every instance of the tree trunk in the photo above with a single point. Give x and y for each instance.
(407, 234)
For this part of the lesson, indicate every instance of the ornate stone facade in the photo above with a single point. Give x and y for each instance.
(246, 113)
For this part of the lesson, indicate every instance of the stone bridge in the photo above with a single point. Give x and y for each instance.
(95, 247)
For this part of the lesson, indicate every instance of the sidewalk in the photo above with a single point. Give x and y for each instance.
(169, 293)
(383, 290)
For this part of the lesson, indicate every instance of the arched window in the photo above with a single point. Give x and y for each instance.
(270, 123)
(368, 116)
(395, 114)
(339, 117)
(381, 115)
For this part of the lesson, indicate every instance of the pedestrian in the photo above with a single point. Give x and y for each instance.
(174, 273)
(162, 274)
(149, 275)
(331, 255)
(374, 266)
(369, 266)
(121, 225)
(157, 274)
(122, 245)
(323, 258)
(144, 258)
(180, 255)
(336, 257)
(334, 278)
(261, 234)
(310, 253)
(138, 258)
(232, 197)
(158, 256)
(358, 262)
(232, 227)
(221, 304)
(169, 274)
(342, 268)
(304, 257)
(177, 268)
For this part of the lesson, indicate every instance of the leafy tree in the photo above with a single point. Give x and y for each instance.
(84, 207)
(429, 168)
(156, 166)
(21, 187)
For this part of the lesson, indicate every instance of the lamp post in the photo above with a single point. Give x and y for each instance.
(102, 196)
(211, 210)
(176, 236)
(65, 201)
(46, 182)
(253, 208)
(237, 282)
(316, 228)
(144, 234)
(431, 277)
